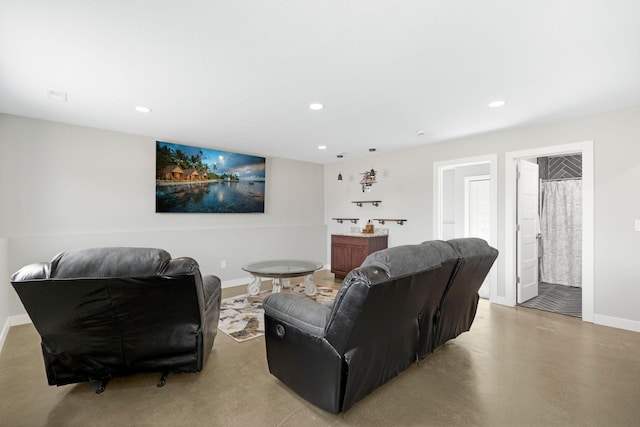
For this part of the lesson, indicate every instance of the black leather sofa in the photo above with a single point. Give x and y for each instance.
(393, 310)
(111, 312)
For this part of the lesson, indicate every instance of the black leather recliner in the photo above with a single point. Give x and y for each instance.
(393, 310)
(460, 300)
(111, 312)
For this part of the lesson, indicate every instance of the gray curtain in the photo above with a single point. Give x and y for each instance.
(561, 228)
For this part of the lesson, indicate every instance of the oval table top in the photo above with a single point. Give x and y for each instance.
(282, 268)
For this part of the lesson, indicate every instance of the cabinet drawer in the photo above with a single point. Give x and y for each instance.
(349, 240)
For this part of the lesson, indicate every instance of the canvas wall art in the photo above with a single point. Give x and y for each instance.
(195, 179)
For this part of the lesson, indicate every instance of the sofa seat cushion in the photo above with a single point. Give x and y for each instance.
(299, 311)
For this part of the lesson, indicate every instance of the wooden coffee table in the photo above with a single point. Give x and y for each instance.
(282, 270)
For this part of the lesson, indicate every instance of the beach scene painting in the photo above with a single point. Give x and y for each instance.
(203, 180)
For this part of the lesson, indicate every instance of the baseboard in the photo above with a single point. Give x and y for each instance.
(501, 301)
(4, 332)
(20, 319)
(236, 282)
(616, 322)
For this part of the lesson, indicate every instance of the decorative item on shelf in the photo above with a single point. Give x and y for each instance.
(400, 221)
(340, 173)
(368, 179)
(341, 220)
(368, 229)
(375, 203)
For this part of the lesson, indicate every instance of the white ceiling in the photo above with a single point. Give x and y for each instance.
(240, 75)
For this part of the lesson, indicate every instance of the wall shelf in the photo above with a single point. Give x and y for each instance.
(362, 202)
(400, 221)
(341, 220)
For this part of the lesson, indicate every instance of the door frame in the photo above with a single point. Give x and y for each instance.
(586, 150)
(438, 169)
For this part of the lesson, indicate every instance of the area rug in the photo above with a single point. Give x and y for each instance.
(559, 299)
(242, 317)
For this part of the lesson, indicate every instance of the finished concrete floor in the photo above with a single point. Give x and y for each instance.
(516, 367)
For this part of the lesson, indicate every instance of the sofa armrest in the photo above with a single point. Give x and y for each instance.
(212, 290)
(36, 271)
(303, 313)
(180, 266)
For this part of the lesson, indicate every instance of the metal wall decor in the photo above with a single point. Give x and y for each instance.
(368, 179)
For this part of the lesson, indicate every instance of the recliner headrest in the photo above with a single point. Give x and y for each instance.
(472, 246)
(109, 262)
(408, 259)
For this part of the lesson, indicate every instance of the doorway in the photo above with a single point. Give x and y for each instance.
(587, 220)
(557, 213)
(477, 206)
(465, 204)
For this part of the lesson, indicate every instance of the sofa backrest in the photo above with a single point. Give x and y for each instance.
(109, 262)
(409, 259)
(460, 300)
(388, 290)
(375, 320)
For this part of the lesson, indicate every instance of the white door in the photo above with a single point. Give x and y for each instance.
(527, 231)
(477, 207)
(477, 221)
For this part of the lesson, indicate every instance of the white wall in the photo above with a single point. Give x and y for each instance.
(68, 186)
(399, 186)
(406, 190)
(5, 293)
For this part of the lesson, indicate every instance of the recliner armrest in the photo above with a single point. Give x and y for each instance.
(303, 313)
(212, 290)
(35, 271)
(179, 266)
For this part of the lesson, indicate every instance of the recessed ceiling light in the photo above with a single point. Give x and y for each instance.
(496, 104)
(142, 109)
(316, 106)
(57, 95)
(420, 133)
(322, 147)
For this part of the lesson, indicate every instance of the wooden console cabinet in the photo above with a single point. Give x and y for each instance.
(348, 251)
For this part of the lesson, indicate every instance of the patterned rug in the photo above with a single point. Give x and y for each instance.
(559, 299)
(242, 317)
